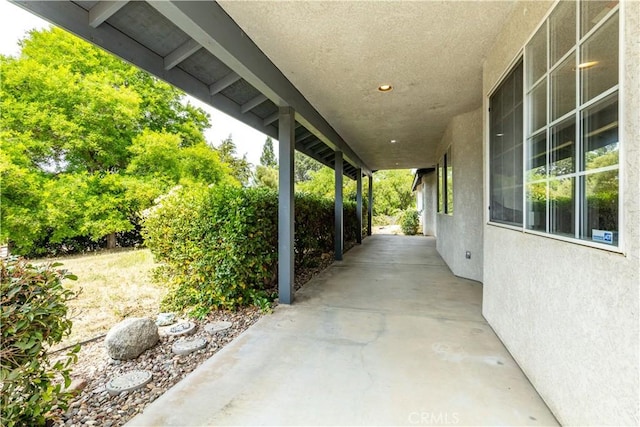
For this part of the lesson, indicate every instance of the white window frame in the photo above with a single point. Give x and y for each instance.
(619, 88)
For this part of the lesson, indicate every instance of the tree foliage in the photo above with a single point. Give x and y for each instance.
(88, 141)
(239, 166)
(268, 156)
(304, 166)
(392, 191)
(391, 188)
(266, 177)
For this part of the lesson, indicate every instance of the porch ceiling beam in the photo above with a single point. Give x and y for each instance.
(74, 18)
(213, 28)
(181, 53)
(252, 103)
(224, 83)
(104, 10)
(315, 143)
(270, 119)
(304, 136)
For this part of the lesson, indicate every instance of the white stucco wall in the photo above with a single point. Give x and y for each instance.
(569, 313)
(462, 231)
(427, 193)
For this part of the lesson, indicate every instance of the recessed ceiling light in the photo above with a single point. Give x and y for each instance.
(499, 134)
(385, 88)
(589, 64)
(393, 141)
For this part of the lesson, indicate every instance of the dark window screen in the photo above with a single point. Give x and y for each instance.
(505, 147)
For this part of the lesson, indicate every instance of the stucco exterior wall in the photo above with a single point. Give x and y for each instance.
(569, 313)
(462, 231)
(426, 192)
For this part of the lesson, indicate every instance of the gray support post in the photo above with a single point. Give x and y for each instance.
(286, 144)
(359, 206)
(370, 206)
(339, 232)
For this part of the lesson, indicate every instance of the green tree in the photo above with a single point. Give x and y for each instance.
(268, 157)
(304, 166)
(239, 166)
(266, 177)
(88, 141)
(392, 191)
(322, 183)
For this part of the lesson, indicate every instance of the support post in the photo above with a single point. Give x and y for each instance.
(286, 214)
(359, 206)
(339, 231)
(370, 206)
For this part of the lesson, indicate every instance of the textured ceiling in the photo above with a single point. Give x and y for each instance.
(338, 53)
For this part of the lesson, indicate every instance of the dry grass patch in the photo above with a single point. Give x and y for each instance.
(114, 285)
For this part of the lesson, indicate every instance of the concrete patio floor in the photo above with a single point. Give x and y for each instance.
(386, 337)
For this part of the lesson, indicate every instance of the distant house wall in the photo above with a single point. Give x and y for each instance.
(462, 231)
(568, 313)
(429, 196)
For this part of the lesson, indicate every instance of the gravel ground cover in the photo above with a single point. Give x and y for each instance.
(94, 406)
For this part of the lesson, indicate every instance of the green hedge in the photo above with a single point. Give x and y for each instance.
(33, 318)
(218, 245)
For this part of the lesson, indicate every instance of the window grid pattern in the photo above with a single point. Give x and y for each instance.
(571, 81)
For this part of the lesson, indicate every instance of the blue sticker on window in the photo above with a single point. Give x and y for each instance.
(602, 236)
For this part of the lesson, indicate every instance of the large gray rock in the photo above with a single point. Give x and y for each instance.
(131, 337)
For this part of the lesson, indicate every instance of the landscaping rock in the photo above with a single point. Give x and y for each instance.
(128, 382)
(187, 346)
(215, 327)
(184, 328)
(130, 338)
(165, 319)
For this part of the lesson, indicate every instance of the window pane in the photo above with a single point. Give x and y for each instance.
(599, 60)
(562, 30)
(536, 52)
(600, 220)
(441, 186)
(505, 145)
(563, 88)
(537, 206)
(449, 163)
(562, 206)
(592, 12)
(563, 148)
(538, 107)
(537, 157)
(600, 130)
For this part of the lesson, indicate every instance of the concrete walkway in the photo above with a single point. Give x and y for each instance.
(386, 337)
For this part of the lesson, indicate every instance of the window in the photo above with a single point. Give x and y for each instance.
(448, 161)
(571, 165)
(441, 189)
(505, 150)
(445, 184)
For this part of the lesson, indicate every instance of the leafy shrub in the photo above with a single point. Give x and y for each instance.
(409, 222)
(34, 317)
(219, 244)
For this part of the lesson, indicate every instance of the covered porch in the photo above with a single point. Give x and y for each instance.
(388, 336)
